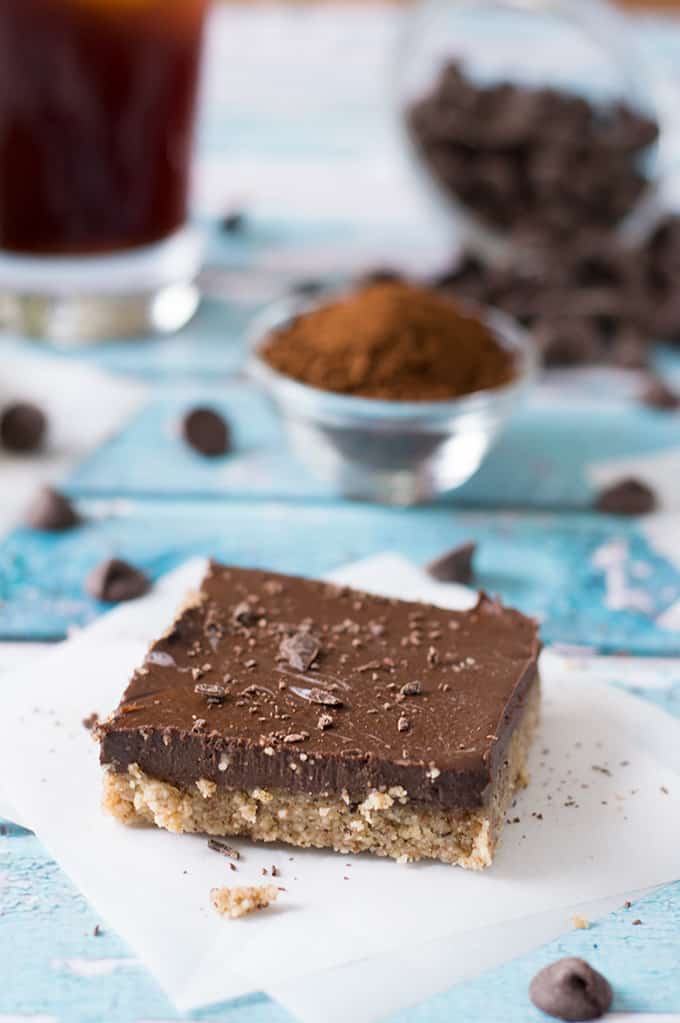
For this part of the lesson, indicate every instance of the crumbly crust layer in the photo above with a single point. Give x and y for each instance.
(385, 823)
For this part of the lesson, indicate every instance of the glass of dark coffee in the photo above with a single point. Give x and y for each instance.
(97, 111)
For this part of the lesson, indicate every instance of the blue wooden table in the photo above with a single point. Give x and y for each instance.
(147, 498)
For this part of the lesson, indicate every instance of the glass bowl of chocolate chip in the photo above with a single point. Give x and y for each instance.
(389, 391)
(528, 120)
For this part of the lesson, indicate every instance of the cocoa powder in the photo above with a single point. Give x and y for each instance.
(391, 340)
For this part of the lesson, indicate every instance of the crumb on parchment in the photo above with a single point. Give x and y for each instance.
(581, 923)
(236, 902)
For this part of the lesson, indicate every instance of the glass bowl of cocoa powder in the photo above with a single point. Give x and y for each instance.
(390, 392)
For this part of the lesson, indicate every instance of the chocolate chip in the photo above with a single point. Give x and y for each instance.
(206, 431)
(114, 581)
(628, 497)
(455, 566)
(22, 427)
(50, 511)
(300, 650)
(657, 394)
(570, 989)
(403, 724)
(411, 689)
(233, 222)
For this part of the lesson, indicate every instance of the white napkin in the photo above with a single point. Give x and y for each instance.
(84, 406)
(152, 887)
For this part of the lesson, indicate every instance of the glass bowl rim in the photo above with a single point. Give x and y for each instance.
(327, 404)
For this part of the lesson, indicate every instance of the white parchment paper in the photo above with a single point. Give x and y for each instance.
(599, 769)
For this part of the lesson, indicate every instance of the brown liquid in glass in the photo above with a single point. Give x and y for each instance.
(96, 112)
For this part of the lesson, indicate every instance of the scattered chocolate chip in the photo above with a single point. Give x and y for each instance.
(628, 497)
(571, 989)
(215, 694)
(96, 931)
(325, 721)
(50, 511)
(217, 845)
(114, 581)
(206, 431)
(657, 394)
(403, 724)
(275, 872)
(233, 222)
(636, 923)
(455, 566)
(300, 650)
(22, 427)
(411, 689)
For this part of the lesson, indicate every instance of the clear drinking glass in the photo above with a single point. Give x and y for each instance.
(97, 105)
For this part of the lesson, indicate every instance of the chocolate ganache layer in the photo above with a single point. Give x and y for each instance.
(278, 682)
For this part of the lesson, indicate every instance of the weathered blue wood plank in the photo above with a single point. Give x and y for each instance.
(641, 961)
(541, 461)
(541, 563)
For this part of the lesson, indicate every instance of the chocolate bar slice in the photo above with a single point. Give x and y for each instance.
(286, 709)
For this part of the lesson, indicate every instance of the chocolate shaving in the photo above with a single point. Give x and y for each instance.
(300, 650)
(243, 614)
(324, 698)
(215, 694)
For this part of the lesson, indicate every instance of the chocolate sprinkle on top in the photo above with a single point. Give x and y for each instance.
(214, 693)
(300, 650)
(324, 698)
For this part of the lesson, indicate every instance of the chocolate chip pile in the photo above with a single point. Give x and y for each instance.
(530, 160)
(593, 300)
